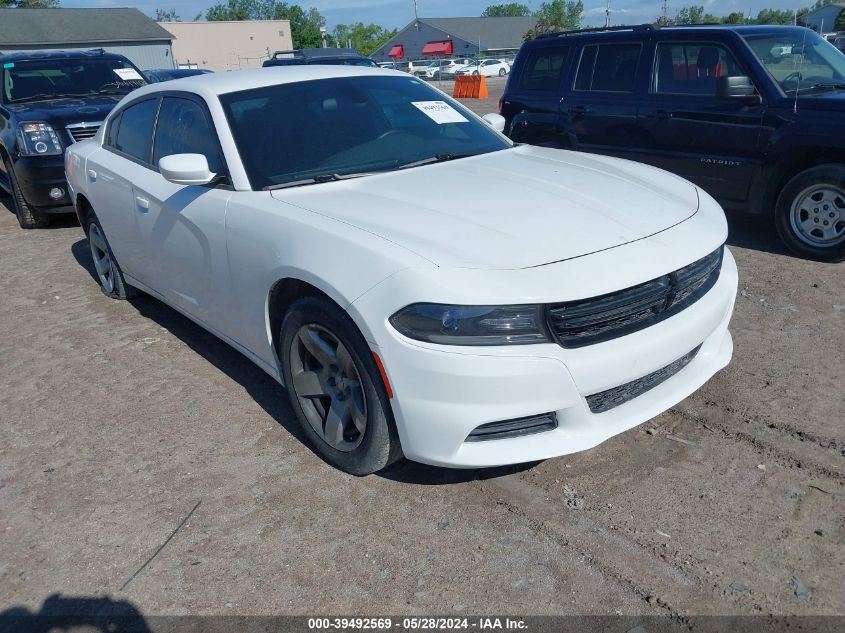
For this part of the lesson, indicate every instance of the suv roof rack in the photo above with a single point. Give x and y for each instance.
(601, 29)
(318, 52)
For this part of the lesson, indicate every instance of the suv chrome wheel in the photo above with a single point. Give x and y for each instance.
(328, 386)
(817, 215)
(102, 259)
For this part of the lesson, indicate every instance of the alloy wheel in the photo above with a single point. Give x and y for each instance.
(817, 216)
(328, 386)
(102, 259)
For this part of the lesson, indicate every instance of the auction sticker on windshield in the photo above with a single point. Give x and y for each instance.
(127, 74)
(440, 112)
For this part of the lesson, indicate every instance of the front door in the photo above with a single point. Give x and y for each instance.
(712, 142)
(182, 227)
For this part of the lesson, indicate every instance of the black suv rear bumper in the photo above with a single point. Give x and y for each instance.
(36, 176)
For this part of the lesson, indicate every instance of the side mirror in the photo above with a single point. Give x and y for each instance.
(186, 169)
(496, 121)
(739, 87)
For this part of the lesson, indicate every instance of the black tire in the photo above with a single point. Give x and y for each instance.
(378, 446)
(112, 283)
(502, 72)
(810, 213)
(474, 73)
(28, 216)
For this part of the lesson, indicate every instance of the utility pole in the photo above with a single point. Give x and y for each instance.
(664, 17)
(607, 15)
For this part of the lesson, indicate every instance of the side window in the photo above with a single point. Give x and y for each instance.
(692, 68)
(543, 69)
(111, 134)
(183, 128)
(134, 135)
(608, 68)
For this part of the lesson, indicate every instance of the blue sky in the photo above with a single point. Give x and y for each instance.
(398, 13)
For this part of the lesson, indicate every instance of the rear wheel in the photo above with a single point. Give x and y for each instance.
(335, 388)
(106, 267)
(502, 72)
(810, 213)
(28, 216)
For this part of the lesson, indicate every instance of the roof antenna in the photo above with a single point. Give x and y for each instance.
(800, 68)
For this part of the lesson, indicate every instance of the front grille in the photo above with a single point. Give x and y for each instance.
(82, 132)
(598, 319)
(513, 428)
(606, 400)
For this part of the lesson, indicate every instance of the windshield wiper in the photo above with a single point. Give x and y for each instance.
(315, 180)
(45, 96)
(437, 158)
(821, 86)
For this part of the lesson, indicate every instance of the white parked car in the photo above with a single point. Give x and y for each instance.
(416, 65)
(486, 67)
(440, 68)
(420, 285)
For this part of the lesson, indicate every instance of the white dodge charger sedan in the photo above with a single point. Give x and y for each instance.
(421, 285)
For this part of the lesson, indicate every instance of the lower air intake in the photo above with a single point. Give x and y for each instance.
(513, 428)
(607, 400)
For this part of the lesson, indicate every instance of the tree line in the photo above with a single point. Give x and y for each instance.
(305, 24)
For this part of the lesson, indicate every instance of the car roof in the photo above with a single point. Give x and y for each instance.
(36, 55)
(211, 85)
(647, 30)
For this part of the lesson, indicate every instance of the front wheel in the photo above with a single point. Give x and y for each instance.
(28, 216)
(335, 388)
(502, 72)
(810, 213)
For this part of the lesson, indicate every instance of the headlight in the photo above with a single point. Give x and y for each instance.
(38, 139)
(472, 325)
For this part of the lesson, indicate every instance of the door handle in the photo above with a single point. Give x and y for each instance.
(143, 204)
(92, 175)
(660, 115)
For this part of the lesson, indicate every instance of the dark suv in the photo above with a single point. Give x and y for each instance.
(320, 56)
(752, 114)
(47, 102)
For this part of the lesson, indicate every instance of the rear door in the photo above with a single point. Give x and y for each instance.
(601, 108)
(531, 104)
(111, 173)
(712, 142)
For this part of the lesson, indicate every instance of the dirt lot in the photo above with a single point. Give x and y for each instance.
(118, 418)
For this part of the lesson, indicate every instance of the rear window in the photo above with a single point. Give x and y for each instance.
(543, 69)
(608, 68)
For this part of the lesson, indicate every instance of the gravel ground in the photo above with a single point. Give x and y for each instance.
(119, 418)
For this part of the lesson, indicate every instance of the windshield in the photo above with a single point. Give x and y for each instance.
(292, 132)
(799, 59)
(51, 78)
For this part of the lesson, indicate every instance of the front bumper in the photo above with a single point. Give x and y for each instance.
(36, 175)
(443, 393)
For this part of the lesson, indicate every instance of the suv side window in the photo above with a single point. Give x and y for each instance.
(608, 67)
(691, 68)
(134, 130)
(183, 128)
(543, 69)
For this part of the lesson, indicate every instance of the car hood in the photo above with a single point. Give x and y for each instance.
(833, 100)
(514, 208)
(61, 112)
